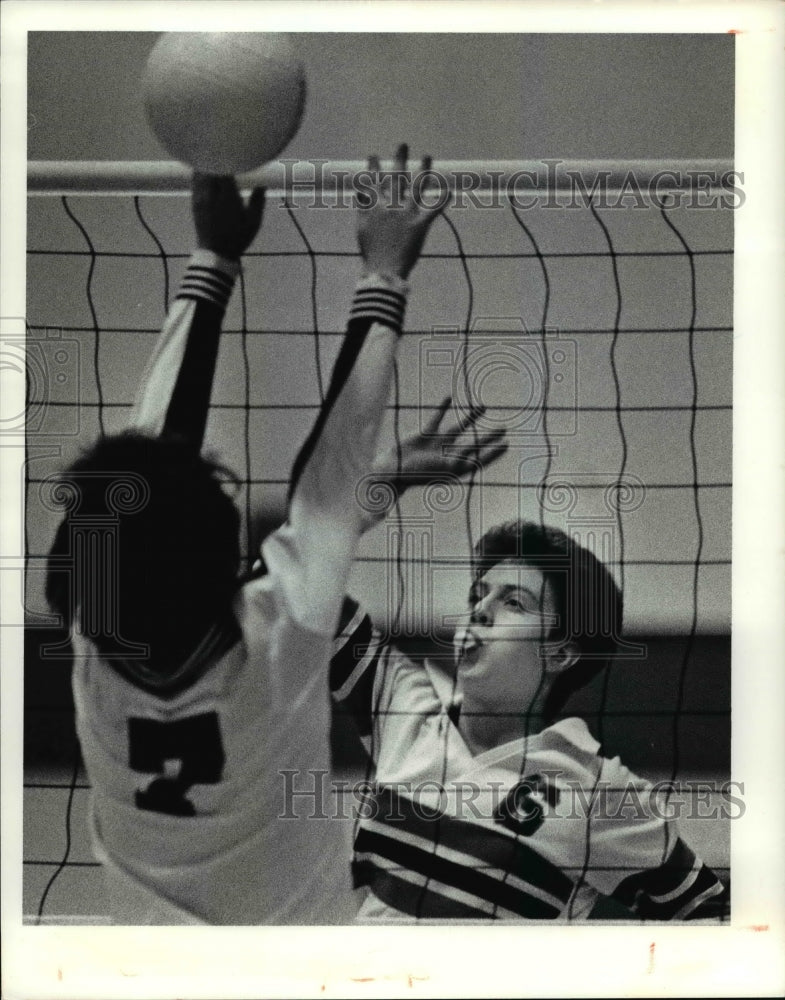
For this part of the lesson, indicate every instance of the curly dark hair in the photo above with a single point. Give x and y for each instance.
(171, 567)
(588, 600)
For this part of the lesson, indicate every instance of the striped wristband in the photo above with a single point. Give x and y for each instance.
(210, 278)
(381, 299)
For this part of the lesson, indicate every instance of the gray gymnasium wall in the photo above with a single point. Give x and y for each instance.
(460, 96)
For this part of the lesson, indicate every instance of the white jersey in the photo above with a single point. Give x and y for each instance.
(189, 814)
(536, 828)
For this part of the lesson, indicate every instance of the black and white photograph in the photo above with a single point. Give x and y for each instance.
(391, 449)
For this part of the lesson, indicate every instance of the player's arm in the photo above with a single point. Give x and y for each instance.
(174, 397)
(433, 455)
(638, 858)
(313, 551)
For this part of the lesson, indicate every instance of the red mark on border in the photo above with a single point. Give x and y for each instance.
(59, 975)
(650, 969)
(733, 31)
(759, 927)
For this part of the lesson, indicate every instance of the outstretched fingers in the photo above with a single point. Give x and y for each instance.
(467, 420)
(401, 157)
(392, 224)
(427, 184)
(433, 424)
(484, 453)
(455, 430)
(400, 180)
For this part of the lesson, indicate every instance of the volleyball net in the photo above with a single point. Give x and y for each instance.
(587, 306)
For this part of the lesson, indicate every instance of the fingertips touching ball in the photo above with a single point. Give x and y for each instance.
(224, 102)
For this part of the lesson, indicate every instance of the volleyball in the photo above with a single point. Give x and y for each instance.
(224, 102)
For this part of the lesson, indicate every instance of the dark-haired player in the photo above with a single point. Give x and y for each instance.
(193, 690)
(486, 804)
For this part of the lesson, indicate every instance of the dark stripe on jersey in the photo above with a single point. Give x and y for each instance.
(349, 647)
(349, 609)
(186, 415)
(492, 849)
(401, 895)
(651, 909)
(351, 653)
(716, 907)
(349, 650)
(450, 873)
(358, 703)
(658, 881)
(347, 357)
(636, 891)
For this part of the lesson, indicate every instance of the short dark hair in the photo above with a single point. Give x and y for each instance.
(588, 600)
(175, 540)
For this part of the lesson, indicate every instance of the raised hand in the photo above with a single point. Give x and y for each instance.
(391, 224)
(224, 223)
(431, 454)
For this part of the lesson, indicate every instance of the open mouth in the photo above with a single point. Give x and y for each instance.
(467, 647)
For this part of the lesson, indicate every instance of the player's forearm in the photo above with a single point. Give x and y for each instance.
(342, 446)
(325, 520)
(174, 396)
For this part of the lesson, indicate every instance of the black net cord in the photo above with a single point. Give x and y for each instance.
(464, 361)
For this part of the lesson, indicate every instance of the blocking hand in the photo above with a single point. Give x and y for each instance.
(423, 459)
(224, 223)
(392, 224)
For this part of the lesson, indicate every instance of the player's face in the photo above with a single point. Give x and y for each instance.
(500, 665)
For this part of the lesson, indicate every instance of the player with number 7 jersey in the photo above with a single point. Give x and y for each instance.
(194, 690)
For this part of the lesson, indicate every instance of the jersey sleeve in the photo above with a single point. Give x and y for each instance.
(636, 855)
(311, 554)
(174, 397)
(682, 887)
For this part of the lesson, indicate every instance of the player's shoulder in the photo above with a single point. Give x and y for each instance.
(413, 683)
(415, 673)
(571, 734)
(571, 737)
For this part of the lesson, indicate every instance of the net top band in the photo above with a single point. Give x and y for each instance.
(292, 177)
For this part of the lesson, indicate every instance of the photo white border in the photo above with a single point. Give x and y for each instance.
(738, 960)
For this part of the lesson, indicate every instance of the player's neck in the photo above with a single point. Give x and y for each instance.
(483, 730)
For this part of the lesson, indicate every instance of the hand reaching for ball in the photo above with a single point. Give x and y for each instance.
(433, 455)
(392, 222)
(224, 223)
